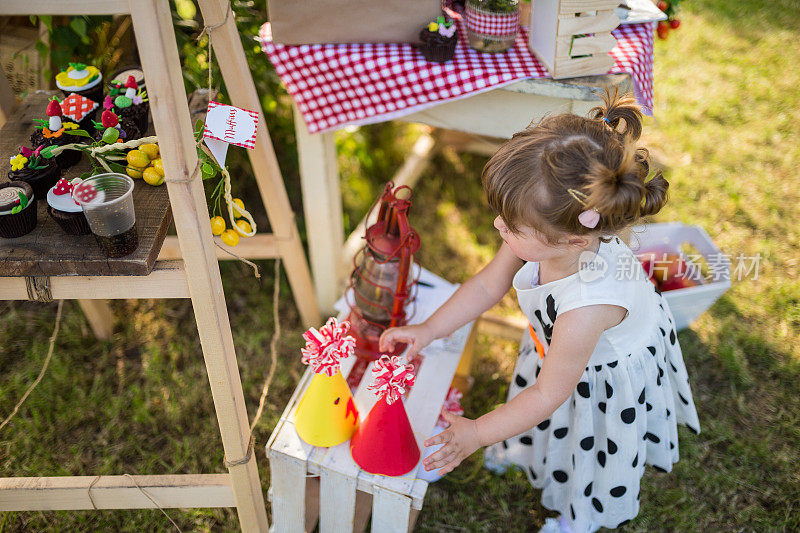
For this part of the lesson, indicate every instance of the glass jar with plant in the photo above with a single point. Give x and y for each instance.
(492, 25)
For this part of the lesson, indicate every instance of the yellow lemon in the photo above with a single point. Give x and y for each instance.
(152, 177)
(151, 149)
(134, 172)
(239, 202)
(158, 165)
(243, 225)
(138, 158)
(217, 225)
(230, 237)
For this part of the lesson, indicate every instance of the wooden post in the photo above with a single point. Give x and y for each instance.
(159, 54)
(230, 56)
(100, 317)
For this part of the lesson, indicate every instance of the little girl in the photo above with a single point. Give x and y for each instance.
(600, 384)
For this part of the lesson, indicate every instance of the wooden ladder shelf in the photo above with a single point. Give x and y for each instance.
(196, 276)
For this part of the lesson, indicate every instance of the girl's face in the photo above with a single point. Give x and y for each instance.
(527, 243)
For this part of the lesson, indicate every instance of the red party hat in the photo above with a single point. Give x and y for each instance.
(384, 442)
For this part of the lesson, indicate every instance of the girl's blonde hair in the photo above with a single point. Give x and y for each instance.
(547, 174)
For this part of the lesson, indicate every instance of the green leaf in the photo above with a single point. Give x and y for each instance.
(42, 49)
(23, 200)
(47, 151)
(116, 167)
(80, 133)
(16, 209)
(78, 25)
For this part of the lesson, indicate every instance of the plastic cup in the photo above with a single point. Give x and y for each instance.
(107, 202)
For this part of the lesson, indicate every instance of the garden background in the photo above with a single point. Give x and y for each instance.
(725, 132)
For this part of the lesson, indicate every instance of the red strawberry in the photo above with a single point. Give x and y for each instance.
(53, 109)
(131, 83)
(109, 119)
(62, 187)
(85, 192)
(674, 23)
(662, 5)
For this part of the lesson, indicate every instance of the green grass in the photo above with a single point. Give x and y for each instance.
(725, 130)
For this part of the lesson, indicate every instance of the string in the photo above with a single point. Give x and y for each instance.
(152, 500)
(272, 345)
(44, 366)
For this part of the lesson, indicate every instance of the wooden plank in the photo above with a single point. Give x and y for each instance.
(319, 176)
(337, 502)
(230, 57)
(100, 317)
(114, 492)
(585, 6)
(167, 280)
(7, 100)
(603, 21)
(568, 67)
(61, 7)
(158, 51)
(391, 511)
(288, 478)
(570, 46)
(47, 250)
(259, 246)
(507, 327)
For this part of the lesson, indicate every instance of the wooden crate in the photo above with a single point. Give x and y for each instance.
(573, 37)
(309, 482)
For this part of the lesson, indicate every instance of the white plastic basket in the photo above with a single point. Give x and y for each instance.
(689, 303)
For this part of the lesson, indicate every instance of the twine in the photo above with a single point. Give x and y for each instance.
(152, 500)
(38, 288)
(247, 456)
(44, 366)
(272, 345)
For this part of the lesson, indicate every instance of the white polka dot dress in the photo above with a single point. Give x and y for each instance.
(589, 456)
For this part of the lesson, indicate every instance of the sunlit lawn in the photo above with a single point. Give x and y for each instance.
(726, 131)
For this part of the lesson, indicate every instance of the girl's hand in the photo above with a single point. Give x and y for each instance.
(461, 440)
(417, 337)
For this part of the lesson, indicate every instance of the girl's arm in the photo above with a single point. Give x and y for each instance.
(575, 335)
(476, 295)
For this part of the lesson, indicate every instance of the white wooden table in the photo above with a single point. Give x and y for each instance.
(293, 462)
(496, 113)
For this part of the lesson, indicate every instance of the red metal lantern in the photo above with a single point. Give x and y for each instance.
(382, 281)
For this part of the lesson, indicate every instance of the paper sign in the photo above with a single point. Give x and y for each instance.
(227, 124)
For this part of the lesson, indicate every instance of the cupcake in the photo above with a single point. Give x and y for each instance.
(117, 84)
(56, 131)
(17, 209)
(132, 104)
(112, 129)
(28, 166)
(82, 79)
(437, 40)
(64, 210)
(79, 109)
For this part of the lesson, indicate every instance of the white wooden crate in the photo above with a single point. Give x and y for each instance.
(293, 461)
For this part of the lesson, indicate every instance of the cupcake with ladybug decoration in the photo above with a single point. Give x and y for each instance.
(65, 210)
(437, 40)
(59, 131)
(82, 79)
(114, 129)
(17, 209)
(31, 167)
(131, 102)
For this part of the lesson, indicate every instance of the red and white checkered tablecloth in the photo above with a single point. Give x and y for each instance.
(338, 84)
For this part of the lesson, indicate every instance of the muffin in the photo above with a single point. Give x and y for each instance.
(437, 40)
(132, 104)
(82, 79)
(17, 209)
(55, 131)
(40, 173)
(112, 128)
(64, 210)
(79, 109)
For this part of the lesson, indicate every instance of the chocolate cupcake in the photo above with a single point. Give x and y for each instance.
(85, 80)
(79, 109)
(56, 131)
(17, 209)
(32, 168)
(112, 129)
(132, 104)
(64, 210)
(437, 40)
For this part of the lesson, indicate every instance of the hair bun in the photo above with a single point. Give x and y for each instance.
(622, 114)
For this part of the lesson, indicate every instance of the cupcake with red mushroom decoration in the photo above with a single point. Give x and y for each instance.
(112, 128)
(29, 166)
(17, 209)
(65, 210)
(437, 40)
(133, 104)
(58, 131)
